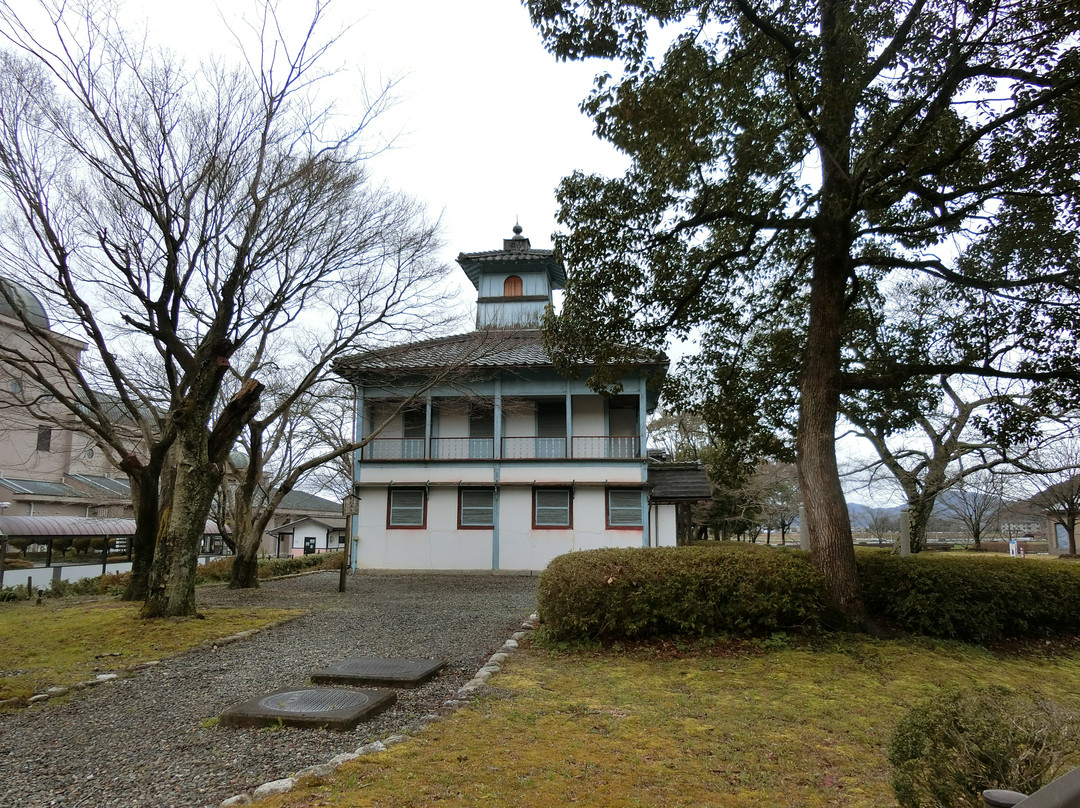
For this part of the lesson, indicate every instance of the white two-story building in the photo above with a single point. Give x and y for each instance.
(483, 457)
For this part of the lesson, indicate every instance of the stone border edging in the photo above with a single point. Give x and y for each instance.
(464, 695)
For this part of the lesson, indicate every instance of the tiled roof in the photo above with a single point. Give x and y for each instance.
(493, 348)
(302, 501)
(329, 524)
(515, 250)
(674, 482)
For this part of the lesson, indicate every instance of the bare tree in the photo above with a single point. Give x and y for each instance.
(777, 487)
(976, 502)
(881, 525)
(1060, 473)
(681, 434)
(171, 216)
(943, 447)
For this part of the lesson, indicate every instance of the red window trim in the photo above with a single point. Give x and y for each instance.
(607, 508)
(389, 502)
(464, 488)
(569, 503)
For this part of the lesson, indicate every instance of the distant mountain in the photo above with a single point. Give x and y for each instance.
(861, 515)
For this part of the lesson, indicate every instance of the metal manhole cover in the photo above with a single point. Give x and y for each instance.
(380, 672)
(326, 707)
(314, 701)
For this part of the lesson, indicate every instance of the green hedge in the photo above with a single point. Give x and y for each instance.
(971, 597)
(220, 569)
(641, 593)
(747, 588)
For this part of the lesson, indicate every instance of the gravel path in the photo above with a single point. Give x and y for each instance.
(139, 741)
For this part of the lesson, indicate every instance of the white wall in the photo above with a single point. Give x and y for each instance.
(442, 546)
(664, 525)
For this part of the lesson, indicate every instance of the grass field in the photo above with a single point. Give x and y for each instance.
(774, 723)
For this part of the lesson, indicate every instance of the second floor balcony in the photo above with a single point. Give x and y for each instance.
(578, 447)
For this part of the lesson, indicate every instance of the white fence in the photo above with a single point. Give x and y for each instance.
(41, 577)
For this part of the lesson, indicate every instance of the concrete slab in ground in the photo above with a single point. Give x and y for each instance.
(375, 672)
(314, 707)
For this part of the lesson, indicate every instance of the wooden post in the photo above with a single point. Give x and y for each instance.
(804, 530)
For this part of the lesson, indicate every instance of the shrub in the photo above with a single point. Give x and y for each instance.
(970, 597)
(653, 592)
(276, 567)
(217, 570)
(948, 750)
(220, 569)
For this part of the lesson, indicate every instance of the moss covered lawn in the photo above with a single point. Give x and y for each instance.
(773, 723)
(64, 641)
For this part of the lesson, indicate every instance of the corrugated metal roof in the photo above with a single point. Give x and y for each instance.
(44, 488)
(44, 526)
(109, 484)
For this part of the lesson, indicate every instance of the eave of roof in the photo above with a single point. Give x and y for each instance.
(491, 349)
(473, 263)
(678, 482)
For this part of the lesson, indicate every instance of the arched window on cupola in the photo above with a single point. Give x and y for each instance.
(512, 287)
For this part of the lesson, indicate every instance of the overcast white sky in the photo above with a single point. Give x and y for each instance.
(486, 121)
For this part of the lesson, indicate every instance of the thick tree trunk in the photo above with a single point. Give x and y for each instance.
(831, 547)
(247, 536)
(920, 509)
(200, 452)
(142, 551)
(245, 570)
(172, 578)
(145, 495)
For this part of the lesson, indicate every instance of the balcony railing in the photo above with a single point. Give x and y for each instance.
(581, 447)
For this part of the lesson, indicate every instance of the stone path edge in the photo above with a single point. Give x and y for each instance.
(464, 695)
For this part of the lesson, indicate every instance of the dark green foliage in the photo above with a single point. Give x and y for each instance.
(640, 593)
(276, 567)
(950, 749)
(745, 588)
(972, 598)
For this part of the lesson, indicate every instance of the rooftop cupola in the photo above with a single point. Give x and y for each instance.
(514, 284)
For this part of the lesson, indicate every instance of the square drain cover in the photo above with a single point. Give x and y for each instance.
(376, 672)
(323, 707)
